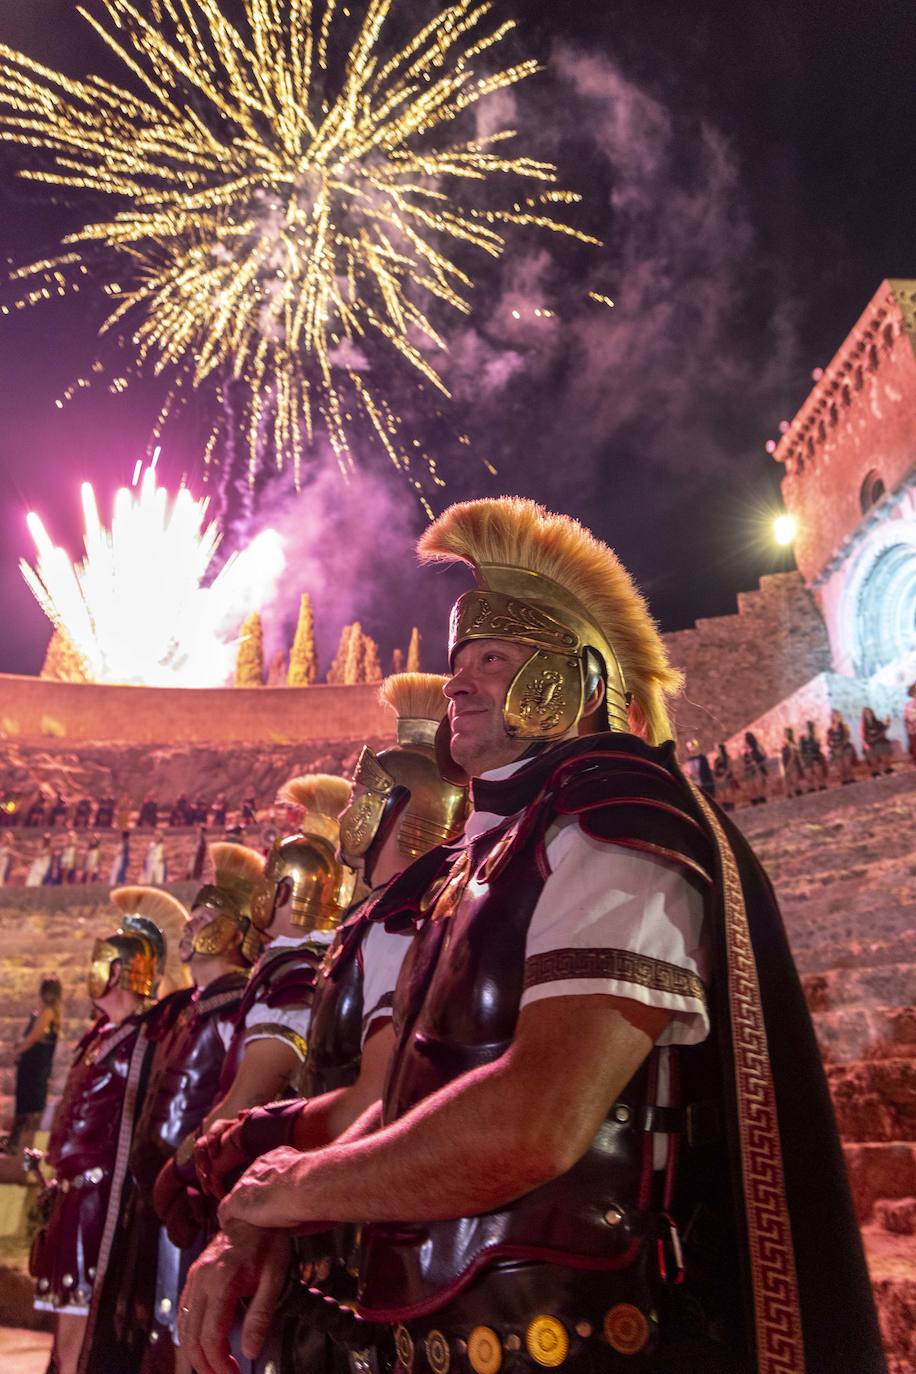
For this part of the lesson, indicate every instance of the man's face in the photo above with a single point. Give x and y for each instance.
(482, 672)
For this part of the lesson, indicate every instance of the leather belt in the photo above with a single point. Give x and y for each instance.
(90, 1178)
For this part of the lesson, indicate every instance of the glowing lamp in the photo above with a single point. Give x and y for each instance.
(785, 528)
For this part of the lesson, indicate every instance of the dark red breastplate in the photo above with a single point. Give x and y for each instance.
(337, 1013)
(85, 1131)
(185, 1075)
(456, 1009)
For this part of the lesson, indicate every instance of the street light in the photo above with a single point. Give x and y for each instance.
(785, 528)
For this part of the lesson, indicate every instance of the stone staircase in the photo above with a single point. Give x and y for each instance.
(844, 866)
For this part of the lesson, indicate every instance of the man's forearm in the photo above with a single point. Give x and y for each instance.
(478, 1143)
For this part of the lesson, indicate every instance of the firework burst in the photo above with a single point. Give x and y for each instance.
(136, 608)
(289, 203)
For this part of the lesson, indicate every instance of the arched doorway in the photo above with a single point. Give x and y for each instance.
(885, 609)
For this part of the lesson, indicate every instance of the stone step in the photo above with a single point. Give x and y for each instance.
(864, 1032)
(884, 1170)
(893, 985)
(890, 1266)
(841, 953)
(874, 1099)
(898, 1216)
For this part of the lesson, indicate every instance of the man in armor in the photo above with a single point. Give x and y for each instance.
(93, 1126)
(399, 809)
(219, 944)
(298, 907)
(606, 1141)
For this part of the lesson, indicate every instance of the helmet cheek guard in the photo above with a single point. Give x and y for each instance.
(371, 791)
(545, 698)
(393, 809)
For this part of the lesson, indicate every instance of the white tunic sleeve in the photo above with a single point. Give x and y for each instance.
(383, 954)
(289, 1024)
(616, 921)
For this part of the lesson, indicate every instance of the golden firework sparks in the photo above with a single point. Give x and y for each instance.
(285, 200)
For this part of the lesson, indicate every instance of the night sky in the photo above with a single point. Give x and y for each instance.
(750, 169)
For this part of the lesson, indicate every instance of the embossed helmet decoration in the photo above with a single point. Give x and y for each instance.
(222, 910)
(545, 581)
(402, 788)
(303, 869)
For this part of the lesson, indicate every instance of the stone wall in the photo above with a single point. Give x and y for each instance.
(814, 701)
(739, 666)
(36, 708)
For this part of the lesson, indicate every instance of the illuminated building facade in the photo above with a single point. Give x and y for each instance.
(850, 482)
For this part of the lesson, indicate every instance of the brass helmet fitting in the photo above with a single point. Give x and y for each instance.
(227, 901)
(303, 868)
(545, 581)
(137, 957)
(403, 786)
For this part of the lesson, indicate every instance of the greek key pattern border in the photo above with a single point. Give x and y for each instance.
(622, 965)
(780, 1348)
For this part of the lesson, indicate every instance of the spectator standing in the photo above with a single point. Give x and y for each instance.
(154, 867)
(7, 854)
(727, 787)
(876, 745)
(792, 770)
(909, 720)
(92, 860)
(196, 871)
(81, 814)
(40, 866)
(842, 750)
(34, 1057)
(812, 757)
(58, 810)
(104, 813)
(696, 766)
(35, 816)
(122, 861)
(68, 858)
(149, 813)
(755, 770)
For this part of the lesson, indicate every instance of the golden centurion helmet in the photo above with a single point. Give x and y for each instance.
(403, 786)
(158, 917)
(304, 869)
(545, 581)
(138, 944)
(223, 909)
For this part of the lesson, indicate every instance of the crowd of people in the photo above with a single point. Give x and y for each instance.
(807, 762)
(70, 857)
(498, 1060)
(107, 813)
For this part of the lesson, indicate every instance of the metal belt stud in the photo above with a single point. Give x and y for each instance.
(438, 1354)
(547, 1342)
(403, 1344)
(485, 1353)
(626, 1330)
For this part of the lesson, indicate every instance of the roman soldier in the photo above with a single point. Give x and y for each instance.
(399, 809)
(306, 889)
(219, 944)
(606, 1141)
(92, 1130)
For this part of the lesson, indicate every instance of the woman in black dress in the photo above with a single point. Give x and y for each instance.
(35, 1055)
